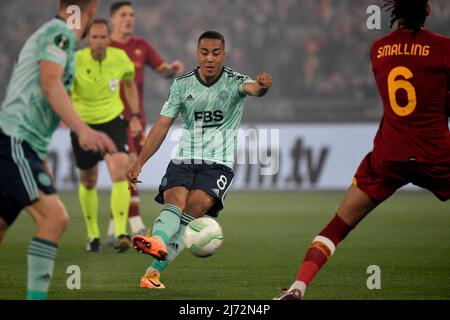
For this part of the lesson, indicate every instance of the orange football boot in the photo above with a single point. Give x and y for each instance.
(151, 281)
(150, 245)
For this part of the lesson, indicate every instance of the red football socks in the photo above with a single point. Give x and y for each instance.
(321, 249)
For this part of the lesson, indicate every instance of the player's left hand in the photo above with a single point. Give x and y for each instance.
(264, 80)
(133, 174)
(177, 67)
(135, 126)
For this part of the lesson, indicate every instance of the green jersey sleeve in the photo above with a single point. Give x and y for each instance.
(239, 81)
(171, 108)
(54, 45)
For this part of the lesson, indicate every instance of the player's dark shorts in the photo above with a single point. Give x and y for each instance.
(213, 178)
(116, 129)
(22, 175)
(380, 179)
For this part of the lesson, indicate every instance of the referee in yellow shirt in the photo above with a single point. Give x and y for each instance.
(96, 96)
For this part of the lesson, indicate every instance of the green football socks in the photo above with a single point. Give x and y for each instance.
(175, 246)
(41, 260)
(167, 223)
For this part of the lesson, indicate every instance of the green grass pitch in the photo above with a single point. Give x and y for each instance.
(266, 235)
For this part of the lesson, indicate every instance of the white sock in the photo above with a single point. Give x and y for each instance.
(299, 285)
(136, 224)
(111, 228)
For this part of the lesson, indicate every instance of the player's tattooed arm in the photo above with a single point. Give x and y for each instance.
(131, 94)
(260, 86)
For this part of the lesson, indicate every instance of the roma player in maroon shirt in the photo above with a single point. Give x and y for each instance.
(142, 53)
(412, 145)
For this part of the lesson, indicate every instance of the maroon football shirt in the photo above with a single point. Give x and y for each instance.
(413, 79)
(142, 53)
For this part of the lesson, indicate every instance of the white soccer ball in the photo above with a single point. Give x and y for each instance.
(203, 236)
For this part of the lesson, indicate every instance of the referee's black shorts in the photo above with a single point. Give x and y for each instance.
(116, 129)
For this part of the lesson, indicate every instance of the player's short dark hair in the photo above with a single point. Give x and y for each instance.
(412, 13)
(117, 5)
(81, 3)
(98, 21)
(212, 35)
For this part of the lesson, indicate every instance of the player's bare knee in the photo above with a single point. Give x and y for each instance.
(88, 181)
(198, 207)
(63, 221)
(119, 176)
(88, 177)
(58, 218)
(175, 199)
(117, 166)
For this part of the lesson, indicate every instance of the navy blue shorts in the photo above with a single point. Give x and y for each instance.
(213, 178)
(22, 176)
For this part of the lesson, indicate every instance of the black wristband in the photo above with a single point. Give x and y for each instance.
(136, 114)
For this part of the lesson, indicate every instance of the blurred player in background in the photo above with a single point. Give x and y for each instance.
(211, 100)
(36, 100)
(99, 71)
(412, 71)
(142, 53)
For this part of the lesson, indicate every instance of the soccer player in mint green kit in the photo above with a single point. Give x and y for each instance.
(36, 100)
(210, 100)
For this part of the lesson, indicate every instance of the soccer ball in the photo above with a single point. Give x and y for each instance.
(203, 236)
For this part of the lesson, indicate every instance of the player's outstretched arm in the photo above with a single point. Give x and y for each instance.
(51, 74)
(152, 143)
(170, 70)
(260, 87)
(131, 94)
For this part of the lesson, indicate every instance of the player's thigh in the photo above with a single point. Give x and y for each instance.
(215, 180)
(48, 210)
(199, 203)
(175, 184)
(355, 206)
(117, 164)
(176, 196)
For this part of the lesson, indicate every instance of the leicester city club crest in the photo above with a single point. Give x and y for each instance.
(223, 96)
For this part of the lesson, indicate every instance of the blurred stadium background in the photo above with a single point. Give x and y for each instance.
(316, 50)
(325, 103)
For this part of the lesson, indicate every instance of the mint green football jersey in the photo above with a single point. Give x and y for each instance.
(25, 113)
(211, 115)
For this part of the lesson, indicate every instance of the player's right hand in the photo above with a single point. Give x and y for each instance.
(96, 141)
(133, 174)
(177, 67)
